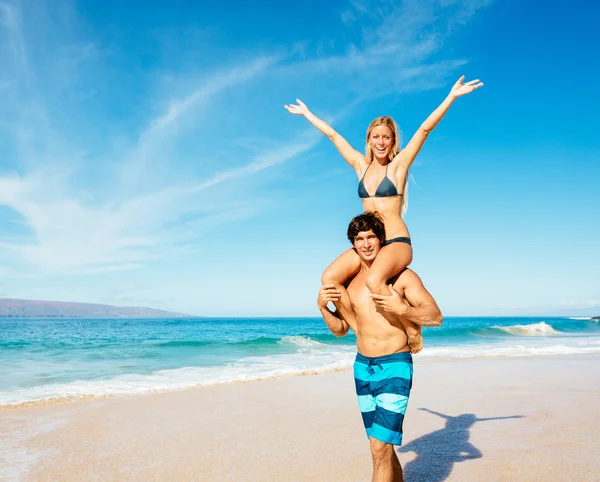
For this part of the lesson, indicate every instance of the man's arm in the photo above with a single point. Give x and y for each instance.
(334, 321)
(419, 308)
(413, 331)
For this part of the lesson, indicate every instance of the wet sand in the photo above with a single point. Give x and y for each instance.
(504, 419)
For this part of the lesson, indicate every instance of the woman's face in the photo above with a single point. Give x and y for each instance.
(381, 140)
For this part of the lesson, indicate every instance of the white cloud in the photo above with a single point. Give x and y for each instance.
(82, 215)
(11, 21)
(69, 227)
(75, 237)
(260, 162)
(397, 43)
(217, 83)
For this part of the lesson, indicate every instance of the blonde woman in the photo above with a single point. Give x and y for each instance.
(383, 176)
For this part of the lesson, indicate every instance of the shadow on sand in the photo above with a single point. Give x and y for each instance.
(438, 451)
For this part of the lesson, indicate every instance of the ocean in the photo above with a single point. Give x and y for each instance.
(52, 359)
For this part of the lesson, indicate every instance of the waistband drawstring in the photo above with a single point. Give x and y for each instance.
(372, 363)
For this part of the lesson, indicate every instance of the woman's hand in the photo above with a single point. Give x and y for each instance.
(460, 89)
(299, 109)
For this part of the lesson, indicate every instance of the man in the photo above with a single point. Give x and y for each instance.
(383, 366)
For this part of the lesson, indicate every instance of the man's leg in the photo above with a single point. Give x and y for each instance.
(386, 466)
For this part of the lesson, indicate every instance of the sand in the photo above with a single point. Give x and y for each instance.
(504, 419)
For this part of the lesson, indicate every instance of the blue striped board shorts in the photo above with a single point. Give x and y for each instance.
(383, 385)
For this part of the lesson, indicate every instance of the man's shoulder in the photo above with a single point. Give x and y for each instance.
(355, 280)
(407, 276)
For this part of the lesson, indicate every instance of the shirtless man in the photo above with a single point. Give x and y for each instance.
(383, 367)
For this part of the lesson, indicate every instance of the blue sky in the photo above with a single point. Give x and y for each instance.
(146, 157)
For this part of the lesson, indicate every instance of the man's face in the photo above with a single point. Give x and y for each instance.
(367, 245)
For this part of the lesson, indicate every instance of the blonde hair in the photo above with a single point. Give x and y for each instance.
(389, 122)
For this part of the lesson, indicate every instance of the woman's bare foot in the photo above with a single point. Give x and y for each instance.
(415, 343)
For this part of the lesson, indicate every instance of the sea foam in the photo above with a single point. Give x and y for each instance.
(300, 341)
(76, 361)
(535, 329)
(491, 351)
(242, 370)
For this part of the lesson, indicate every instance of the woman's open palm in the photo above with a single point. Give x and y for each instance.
(461, 88)
(299, 109)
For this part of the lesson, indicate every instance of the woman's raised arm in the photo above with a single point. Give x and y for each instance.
(407, 155)
(351, 155)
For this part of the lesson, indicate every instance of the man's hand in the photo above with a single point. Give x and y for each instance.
(327, 293)
(391, 303)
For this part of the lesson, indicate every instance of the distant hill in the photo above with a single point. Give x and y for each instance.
(33, 308)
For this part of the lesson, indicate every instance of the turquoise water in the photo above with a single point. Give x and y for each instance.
(45, 359)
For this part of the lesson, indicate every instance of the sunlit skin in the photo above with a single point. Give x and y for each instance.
(381, 140)
(367, 245)
(375, 335)
(394, 257)
(409, 305)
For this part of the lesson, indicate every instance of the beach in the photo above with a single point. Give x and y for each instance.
(521, 418)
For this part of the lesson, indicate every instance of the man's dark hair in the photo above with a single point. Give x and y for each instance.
(370, 220)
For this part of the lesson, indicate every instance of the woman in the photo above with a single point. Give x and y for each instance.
(383, 177)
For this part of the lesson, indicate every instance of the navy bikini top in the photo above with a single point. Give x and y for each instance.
(386, 187)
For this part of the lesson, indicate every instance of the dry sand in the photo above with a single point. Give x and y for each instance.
(308, 428)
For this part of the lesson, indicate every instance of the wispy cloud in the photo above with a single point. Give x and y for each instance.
(93, 212)
(395, 51)
(217, 83)
(260, 162)
(66, 227)
(10, 19)
(72, 236)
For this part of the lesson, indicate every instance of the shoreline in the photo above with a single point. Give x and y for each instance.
(304, 373)
(89, 398)
(181, 356)
(461, 425)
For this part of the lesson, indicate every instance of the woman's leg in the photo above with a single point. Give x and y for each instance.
(390, 261)
(338, 273)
